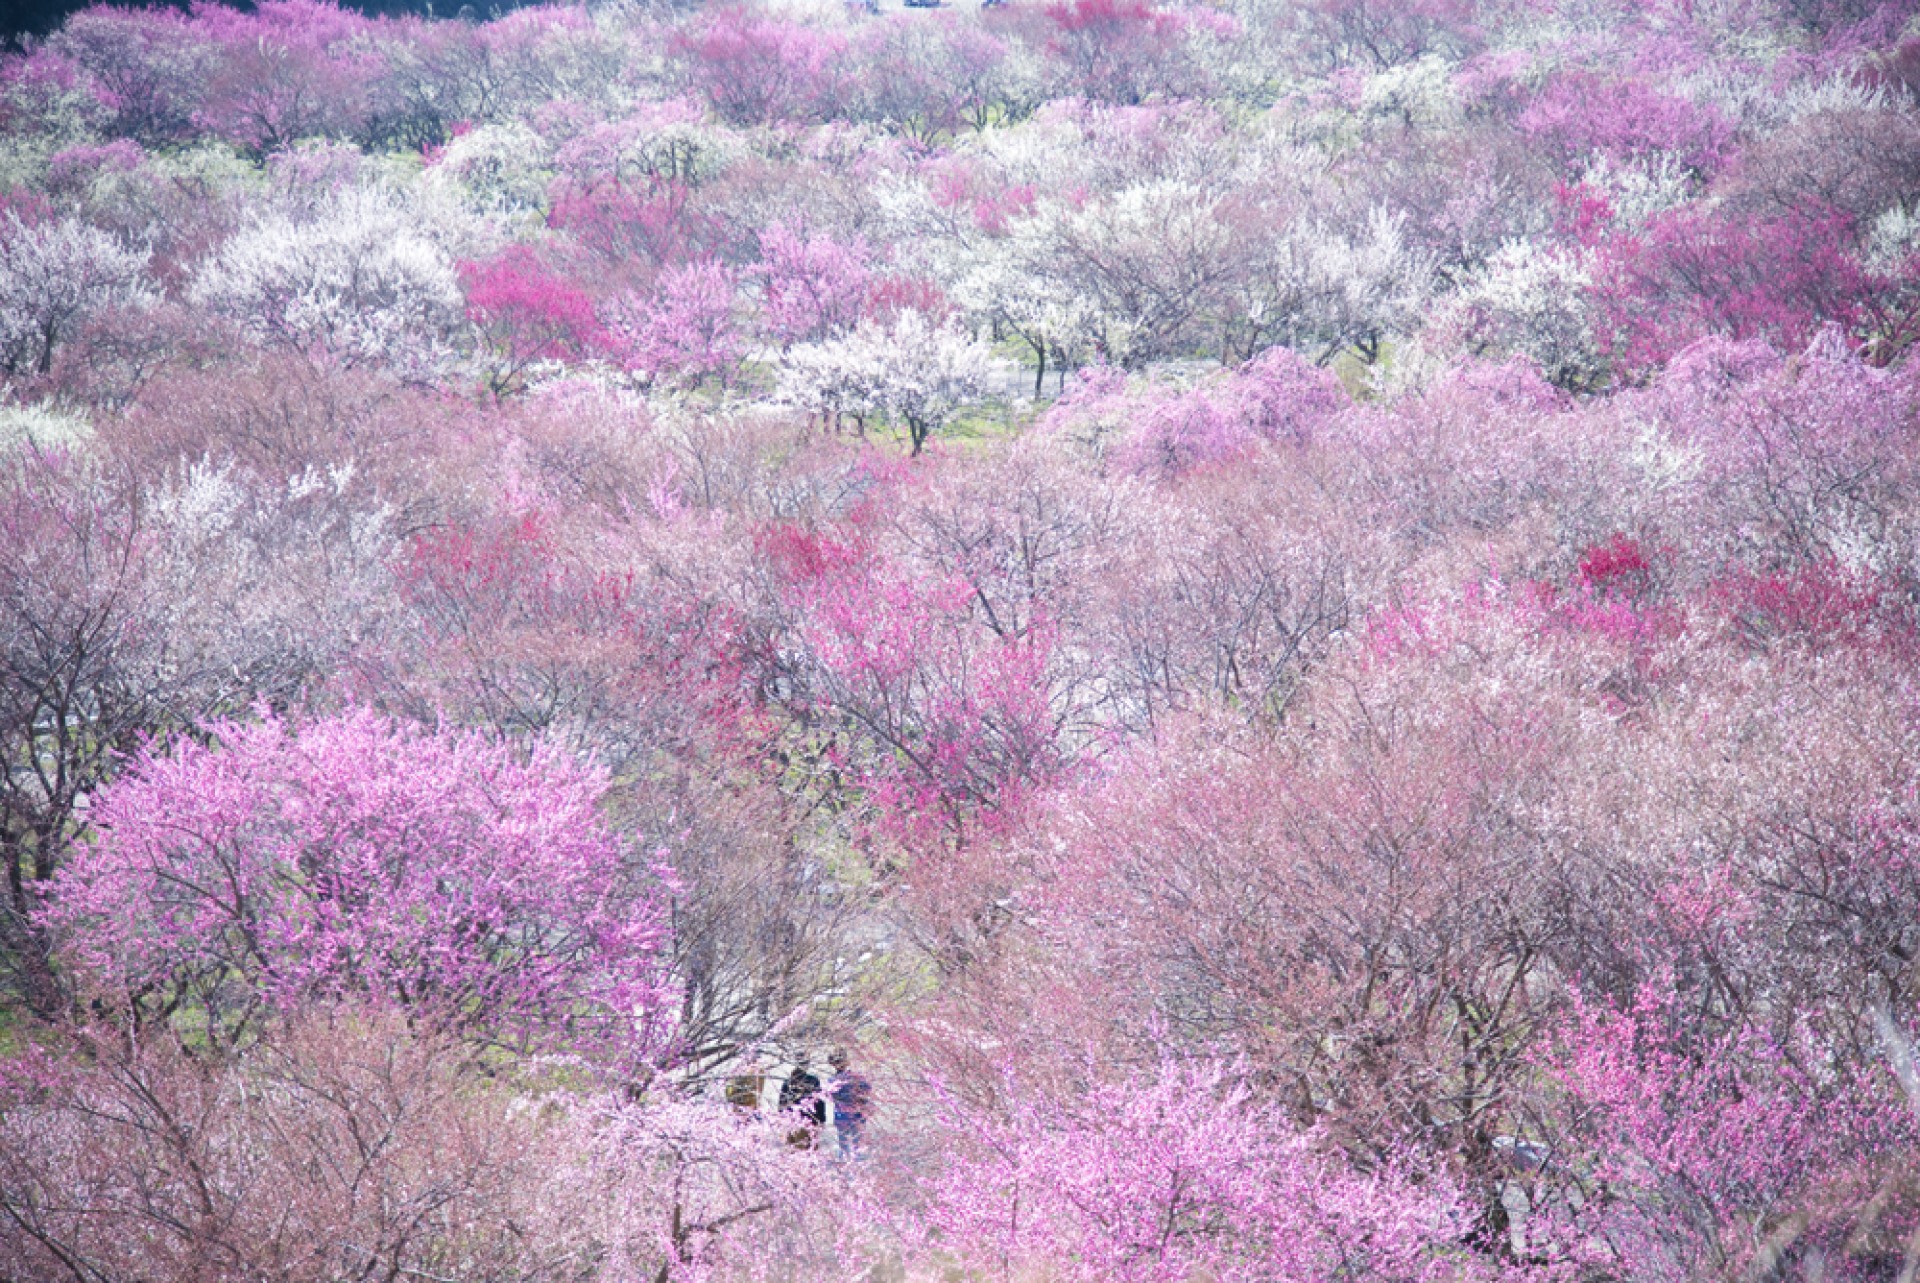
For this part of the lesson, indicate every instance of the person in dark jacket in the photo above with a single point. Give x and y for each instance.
(852, 1097)
(800, 1097)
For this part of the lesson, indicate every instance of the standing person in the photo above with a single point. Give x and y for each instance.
(852, 1097)
(800, 1096)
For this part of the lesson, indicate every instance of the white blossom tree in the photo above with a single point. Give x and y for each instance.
(916, 371)
(1324, 289)
(1152, 262)
(53, 276)
(357, 278)
(1007, 282)
(1533, 300)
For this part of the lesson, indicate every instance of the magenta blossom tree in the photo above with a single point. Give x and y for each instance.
(812, 287)
(685, 332)
(281, 865)
(755, 69)
(1721, 1148)
(523, 315)
(1177, 1174)
(1689, 275)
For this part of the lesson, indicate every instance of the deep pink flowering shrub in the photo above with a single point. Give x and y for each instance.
(754, 68)
(1284, 398)
(1619, 565)
(1179, 433)
(1820, 605)
(1721, 1148)
(1580, 113)
(1691, 273)
(1173, 1173)
(959, 185)
(278, 866)
(525, 314)
(509, 626)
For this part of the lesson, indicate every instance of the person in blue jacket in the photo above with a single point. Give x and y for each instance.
(852, 1097)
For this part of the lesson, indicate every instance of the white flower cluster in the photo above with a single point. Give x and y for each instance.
(269, 576)
(1893, 238)
(1842, 93)
(1326, 287)
(53, 276)
(1130, 272)
(357, 278)
(1012, 279)
(1760, 104)
(1420, 92)
(41, 425)
(497, 171)
(1530, 299)
(917, 371)
(1639, 191)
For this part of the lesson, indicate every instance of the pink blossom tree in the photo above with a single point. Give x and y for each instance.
(942, 724)
(653, 220)
(288, 70)
(1579, 113)
(148, 68)
(79, 654)
(1174, 1172)
(939, 78)
(278, 866)
(755, 68)
(1379, 34)
(687, 331)
(1116, 50)
(1277, 397)
(348, 1142)
(524, 315)
(811, 287)
(1723, 1148)
(352, 1142)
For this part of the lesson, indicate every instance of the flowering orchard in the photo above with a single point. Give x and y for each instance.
(1127, 641)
